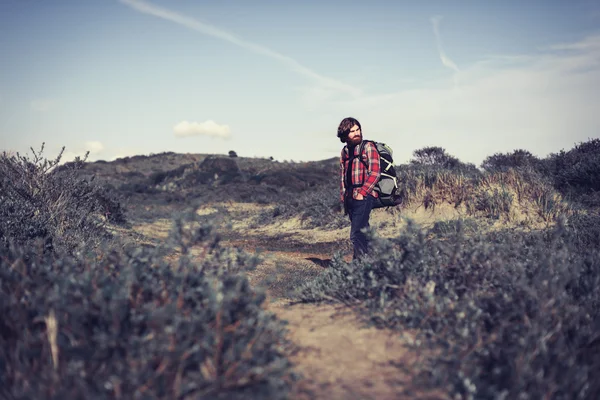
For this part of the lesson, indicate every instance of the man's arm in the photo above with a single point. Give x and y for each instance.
(373, 169)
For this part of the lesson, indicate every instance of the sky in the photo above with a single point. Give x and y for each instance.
(270, 78)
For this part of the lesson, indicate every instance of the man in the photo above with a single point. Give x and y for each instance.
(358, 179)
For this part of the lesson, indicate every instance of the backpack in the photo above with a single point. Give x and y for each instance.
(387, 186)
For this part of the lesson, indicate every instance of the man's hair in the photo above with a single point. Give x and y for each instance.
(345, 126)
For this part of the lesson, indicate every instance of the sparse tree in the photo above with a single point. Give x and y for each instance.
(434, 155)
(503, 161)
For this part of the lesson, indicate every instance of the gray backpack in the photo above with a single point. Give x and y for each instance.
(387, 186)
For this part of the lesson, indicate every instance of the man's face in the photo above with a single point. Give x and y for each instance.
(355, 136)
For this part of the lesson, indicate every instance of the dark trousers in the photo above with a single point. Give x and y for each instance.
(359, 212)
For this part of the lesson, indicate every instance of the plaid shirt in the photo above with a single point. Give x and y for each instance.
(368, 176)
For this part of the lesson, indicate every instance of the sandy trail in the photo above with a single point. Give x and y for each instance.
(338, 356)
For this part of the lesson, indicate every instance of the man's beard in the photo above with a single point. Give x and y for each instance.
(355, 140)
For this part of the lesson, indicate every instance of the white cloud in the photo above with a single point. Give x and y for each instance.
(121, 153)
(68, 156)
(42, 105)
(588, 43)
(106, 154)
(94, 147)
(207, 128)
(210, 30)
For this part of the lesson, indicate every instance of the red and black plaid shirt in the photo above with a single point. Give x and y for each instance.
(367, 175)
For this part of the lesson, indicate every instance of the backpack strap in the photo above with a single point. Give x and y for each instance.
(362, 150)
(348, 179)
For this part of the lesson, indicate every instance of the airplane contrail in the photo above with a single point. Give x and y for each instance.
(213, 31)
(443, 57)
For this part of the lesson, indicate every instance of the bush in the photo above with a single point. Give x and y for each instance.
(131, 325)
(577, 172)
(447, 227)
(493, 203)
(585, 229)
(505, 315)
(39, 201)
(518, 159)
(158, 177)
(434, 156)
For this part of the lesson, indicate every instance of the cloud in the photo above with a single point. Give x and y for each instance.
(121, 153)
(446, 61)
(68, 156)
(42, 105)
(589, 43)
(541, 102)
(219, 33)
(98, 151)
(207, 128)
(94, 147)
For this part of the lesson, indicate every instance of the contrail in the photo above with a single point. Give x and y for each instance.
(445, 59)
(213, 31)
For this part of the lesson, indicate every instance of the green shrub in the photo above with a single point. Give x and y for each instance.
(131, 325)
(577, 171)
(585, 229)
(436, 157)
(449, 227)
(492, 203)
(55, 205)
(502, 315)
(504, 162)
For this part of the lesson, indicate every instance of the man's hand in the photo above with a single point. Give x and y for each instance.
(360, 197)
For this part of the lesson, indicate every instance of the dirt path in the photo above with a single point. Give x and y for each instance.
(337, 355)
(337, 358)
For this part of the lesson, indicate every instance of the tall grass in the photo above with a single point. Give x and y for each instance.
(495, 195)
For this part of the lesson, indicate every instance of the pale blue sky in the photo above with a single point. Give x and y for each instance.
(270, 78)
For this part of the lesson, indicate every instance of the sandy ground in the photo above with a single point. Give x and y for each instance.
(338, 356)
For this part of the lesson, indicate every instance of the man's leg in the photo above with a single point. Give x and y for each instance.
(359, 219)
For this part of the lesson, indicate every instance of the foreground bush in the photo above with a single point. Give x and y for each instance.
(504, 315)
(133, 326)
(41, 201)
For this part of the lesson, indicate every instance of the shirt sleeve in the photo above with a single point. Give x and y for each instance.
(373, 169)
